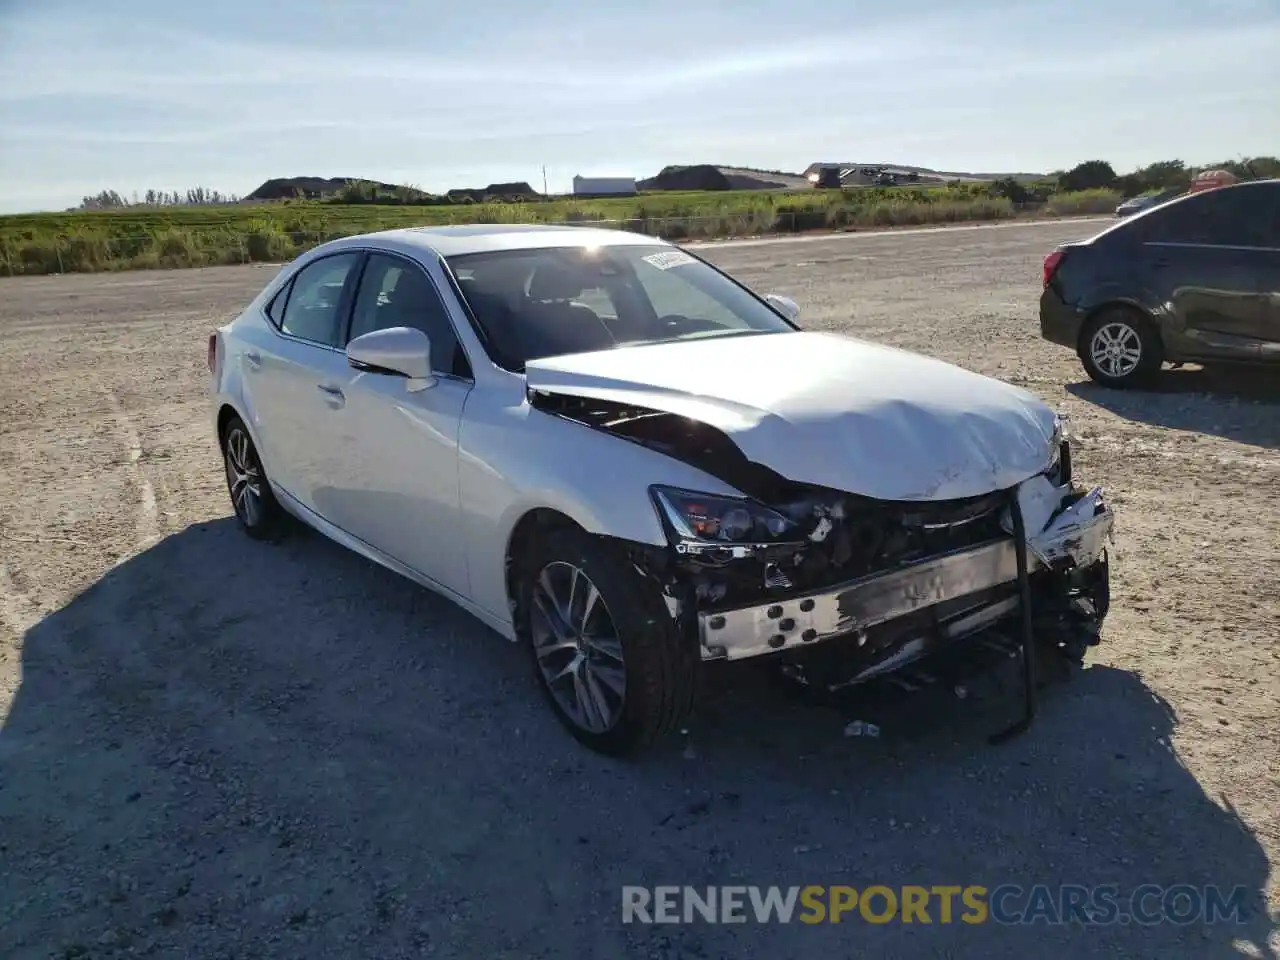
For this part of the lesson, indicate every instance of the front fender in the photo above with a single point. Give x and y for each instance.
(515, 460)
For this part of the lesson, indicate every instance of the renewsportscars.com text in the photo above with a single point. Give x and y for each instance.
(1148, 904)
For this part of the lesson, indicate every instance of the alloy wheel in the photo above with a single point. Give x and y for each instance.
(577, 647)
(244, 477)
(1116, 349)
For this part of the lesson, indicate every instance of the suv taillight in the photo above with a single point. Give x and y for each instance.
(213, 353)
(1051, 264)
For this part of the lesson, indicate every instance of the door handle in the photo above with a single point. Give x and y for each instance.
(253, 359)
(332, 395)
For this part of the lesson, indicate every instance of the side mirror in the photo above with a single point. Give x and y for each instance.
(398, 351)
(784, 305)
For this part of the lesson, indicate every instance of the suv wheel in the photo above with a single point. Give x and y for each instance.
(1120, 347)
(607, 654)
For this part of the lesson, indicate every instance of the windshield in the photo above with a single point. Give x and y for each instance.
(554, 301)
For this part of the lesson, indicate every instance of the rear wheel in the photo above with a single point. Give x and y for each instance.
(1120, 347)
(256, 507)
(605, 649)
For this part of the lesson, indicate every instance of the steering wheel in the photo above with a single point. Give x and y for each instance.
(678, 321)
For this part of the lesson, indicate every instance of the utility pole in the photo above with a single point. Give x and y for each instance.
(544, 180)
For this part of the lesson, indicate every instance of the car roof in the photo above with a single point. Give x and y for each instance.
(459, 239)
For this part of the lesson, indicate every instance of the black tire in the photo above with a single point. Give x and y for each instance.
(660, 668)
(261, 517)
(1126, 326)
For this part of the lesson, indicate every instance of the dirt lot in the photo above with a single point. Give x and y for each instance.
(215, 748)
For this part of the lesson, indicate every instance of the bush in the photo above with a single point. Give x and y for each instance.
(39, 256)
(266, 244)
(176, 248)
(1083, 202)
(84, 253)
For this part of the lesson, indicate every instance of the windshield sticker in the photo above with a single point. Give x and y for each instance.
(668, 259)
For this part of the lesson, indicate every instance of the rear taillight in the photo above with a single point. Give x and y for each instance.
(1051, 264)
(213, 353)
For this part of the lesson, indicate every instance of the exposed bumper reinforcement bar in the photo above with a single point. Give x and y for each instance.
(1075, 536)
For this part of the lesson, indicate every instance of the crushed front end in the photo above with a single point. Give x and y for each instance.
(839, 589)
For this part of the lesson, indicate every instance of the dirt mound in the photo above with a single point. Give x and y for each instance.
(706, 176)
(749, 178)
(516, 190)
(701, 176)
(313, 188)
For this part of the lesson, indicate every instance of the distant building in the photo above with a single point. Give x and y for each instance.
(596, 186)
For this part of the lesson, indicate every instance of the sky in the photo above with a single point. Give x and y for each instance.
(137, 94)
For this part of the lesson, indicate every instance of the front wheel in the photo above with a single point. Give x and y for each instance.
(606, 651)
(1120, 348)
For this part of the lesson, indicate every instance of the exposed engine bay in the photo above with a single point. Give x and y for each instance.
(839, 588)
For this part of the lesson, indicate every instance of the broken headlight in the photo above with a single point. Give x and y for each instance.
(713, 519)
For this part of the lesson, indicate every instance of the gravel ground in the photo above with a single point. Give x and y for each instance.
(215, 748)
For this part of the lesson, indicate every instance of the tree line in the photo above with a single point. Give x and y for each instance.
(191, 197)
(1163, 175)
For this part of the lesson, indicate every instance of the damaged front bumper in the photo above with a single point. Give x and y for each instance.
(958, 593)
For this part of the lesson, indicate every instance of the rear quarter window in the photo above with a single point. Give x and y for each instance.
(276, 305)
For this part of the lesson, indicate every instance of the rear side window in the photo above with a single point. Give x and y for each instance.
(1243, 216)
(314, 308)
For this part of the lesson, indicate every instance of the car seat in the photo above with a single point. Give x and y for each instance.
(557, 323)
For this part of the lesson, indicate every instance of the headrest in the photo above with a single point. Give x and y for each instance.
(411, 287)
(555, 281)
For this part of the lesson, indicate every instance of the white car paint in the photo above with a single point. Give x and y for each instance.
(831, 410)
(432, 482)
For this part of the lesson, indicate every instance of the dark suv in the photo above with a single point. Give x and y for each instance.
(1193, 280)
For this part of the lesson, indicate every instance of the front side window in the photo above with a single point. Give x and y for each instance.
(396, 293)
(313, 310)
(556, 301)
(674, 296)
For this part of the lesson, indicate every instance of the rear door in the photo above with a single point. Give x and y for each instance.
(1207, 256)
(295, 375)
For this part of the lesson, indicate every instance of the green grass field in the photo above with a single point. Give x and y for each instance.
(142, 237)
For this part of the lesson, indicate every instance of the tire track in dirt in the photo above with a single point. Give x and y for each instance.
(146, 514)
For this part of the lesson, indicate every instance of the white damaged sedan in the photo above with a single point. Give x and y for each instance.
(618, 456)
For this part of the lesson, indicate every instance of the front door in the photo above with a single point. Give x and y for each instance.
(1269, 274)
(1207, 257)
(396, 486)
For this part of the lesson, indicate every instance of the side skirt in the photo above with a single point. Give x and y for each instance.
(369, 552)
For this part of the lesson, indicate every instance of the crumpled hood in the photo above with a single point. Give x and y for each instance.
(830, 410)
